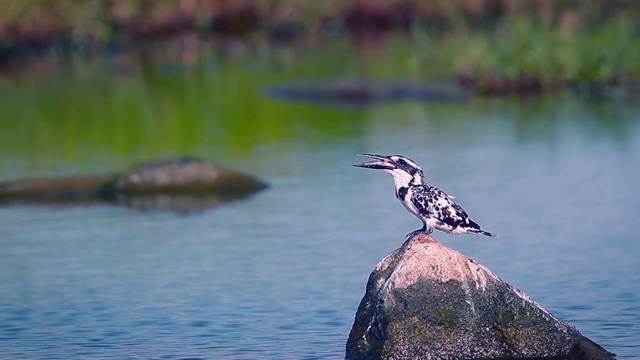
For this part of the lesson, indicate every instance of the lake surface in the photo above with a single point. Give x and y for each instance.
(280, 275)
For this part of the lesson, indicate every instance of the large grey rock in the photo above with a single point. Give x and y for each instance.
(186, 175)
(427, 301)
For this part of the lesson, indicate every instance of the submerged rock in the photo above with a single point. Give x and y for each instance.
(177, 203)
(184, 184)
(362, 92)
(427, 301)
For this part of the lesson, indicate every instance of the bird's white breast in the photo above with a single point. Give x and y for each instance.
(408, 204)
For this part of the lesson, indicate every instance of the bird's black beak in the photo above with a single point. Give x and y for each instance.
(379, 162)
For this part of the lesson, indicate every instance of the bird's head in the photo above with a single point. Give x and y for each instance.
(405, 171)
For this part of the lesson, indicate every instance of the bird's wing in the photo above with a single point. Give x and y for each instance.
(437, 204)
(421, 200)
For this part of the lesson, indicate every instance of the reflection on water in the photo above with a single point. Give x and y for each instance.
(177, 203)
(279, 275)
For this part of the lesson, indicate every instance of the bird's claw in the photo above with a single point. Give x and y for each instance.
(427, 231)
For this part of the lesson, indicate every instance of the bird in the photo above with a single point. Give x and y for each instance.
(434, 207)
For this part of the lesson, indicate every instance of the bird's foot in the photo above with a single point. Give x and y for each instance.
(424, 230)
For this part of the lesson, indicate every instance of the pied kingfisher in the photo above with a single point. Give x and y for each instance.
(434, 207)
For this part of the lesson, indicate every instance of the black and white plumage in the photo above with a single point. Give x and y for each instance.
(435, 208)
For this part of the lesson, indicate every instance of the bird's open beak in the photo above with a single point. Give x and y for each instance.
(380, 162)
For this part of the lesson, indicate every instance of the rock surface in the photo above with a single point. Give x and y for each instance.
(427, 301)
(184, 184)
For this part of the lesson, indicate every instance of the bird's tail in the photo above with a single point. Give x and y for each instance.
(475, 229)
(482, 232)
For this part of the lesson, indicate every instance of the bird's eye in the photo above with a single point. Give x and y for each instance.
(402, 162)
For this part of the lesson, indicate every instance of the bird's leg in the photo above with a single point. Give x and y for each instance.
(424, 229)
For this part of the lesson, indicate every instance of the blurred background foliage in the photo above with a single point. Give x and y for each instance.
(491, 45)
(106, 18)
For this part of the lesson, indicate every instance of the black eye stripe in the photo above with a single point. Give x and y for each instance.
(403, 162)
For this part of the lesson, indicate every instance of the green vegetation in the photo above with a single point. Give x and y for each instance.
(607, 53)
(490, 46)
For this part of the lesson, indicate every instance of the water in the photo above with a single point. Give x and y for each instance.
(280, 275)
